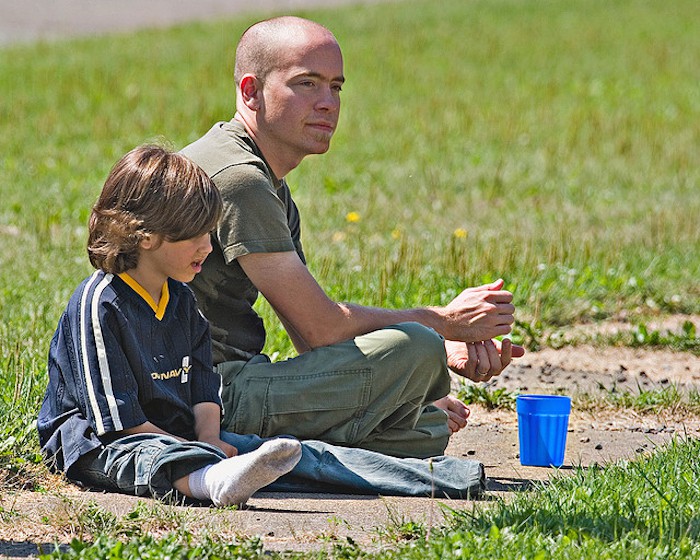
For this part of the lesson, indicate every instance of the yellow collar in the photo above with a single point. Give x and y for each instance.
(159, 309)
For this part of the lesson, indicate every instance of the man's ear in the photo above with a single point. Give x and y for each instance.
(251, 92)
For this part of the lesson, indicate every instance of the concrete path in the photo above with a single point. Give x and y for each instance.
(31, 20)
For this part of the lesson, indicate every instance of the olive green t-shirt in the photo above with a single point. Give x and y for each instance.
(259, 217)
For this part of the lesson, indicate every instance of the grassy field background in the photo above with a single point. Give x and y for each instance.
(554, 144)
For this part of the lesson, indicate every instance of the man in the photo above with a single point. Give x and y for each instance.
(364, 377)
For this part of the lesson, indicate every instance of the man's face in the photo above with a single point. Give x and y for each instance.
(301, 101)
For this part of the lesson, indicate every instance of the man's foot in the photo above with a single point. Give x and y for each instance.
(457, 412)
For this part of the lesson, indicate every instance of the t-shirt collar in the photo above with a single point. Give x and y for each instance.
(159, 309)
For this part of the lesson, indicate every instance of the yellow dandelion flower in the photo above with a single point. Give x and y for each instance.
(396, 234)
(352, 217)
(460, 233)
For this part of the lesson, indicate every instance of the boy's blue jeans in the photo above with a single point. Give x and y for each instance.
(147, 464)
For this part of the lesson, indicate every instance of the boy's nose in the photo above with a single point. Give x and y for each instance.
(205, 246)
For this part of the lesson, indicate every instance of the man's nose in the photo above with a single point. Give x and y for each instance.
(328, 99)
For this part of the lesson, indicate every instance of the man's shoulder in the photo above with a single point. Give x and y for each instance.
(226, 148)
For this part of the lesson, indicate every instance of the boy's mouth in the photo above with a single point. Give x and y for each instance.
(197, 265)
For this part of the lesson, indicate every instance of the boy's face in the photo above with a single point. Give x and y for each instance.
(179, 260)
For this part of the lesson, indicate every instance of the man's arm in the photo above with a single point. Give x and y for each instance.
(477, 314)
(299, 343)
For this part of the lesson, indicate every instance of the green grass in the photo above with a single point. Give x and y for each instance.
(667, 398)
(551, 143)
(642, 509)
(647, 508)
(568, 163)
(172, 545)
(487, 396)
(670, 398)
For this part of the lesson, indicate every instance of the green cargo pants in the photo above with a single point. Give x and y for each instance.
(373, 392)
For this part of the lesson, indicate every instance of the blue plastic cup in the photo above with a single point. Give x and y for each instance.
(543, 421)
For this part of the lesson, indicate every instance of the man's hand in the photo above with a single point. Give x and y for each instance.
(478, 314)
(480, 361)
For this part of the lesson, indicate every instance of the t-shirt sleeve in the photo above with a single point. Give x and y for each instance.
(106, 387)
(254, 219)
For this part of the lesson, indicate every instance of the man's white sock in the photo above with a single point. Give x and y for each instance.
(234, 480)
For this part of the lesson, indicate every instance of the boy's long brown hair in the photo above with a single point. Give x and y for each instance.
(150, 190)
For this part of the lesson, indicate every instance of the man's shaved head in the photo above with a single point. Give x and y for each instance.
(263, 46)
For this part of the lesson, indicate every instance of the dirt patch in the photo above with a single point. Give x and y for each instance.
(589, 368)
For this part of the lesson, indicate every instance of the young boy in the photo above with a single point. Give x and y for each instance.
(133, 403)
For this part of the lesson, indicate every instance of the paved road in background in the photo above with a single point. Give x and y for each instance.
(24, 21)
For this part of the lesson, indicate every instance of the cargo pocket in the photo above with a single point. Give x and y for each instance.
(229, 397)
(328, 405)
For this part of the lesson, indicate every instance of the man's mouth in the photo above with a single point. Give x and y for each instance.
(328, 128)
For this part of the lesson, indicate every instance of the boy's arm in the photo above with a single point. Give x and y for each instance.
(206, 385)
(207, 426)
(102, 381)
(149, 428)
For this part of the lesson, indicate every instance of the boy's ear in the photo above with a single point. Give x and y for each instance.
(251, 92)
(147, 242)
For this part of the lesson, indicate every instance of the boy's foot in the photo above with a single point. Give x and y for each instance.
(234, 480)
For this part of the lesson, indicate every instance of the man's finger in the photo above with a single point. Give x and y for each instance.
(483, 365)
(506, 353)
(494, 358)
(472, 360)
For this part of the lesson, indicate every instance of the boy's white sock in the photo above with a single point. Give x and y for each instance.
(234, 480)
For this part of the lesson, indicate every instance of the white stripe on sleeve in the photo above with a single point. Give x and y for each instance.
(86, 362)
(102, 355)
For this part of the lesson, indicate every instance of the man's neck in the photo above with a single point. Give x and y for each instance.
(278, 166)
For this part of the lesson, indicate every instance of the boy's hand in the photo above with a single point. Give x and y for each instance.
(207, 416)
(227, 448)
